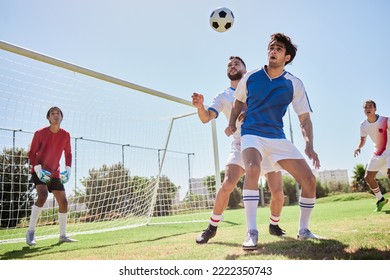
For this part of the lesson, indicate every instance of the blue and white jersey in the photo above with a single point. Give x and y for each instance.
(268, 99)
(223, 102)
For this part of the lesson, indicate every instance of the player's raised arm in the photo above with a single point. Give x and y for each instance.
(204, 115)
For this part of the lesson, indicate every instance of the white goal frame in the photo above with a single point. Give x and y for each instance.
(110, 79)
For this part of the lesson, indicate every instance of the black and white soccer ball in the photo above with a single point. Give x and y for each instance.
(221, 19)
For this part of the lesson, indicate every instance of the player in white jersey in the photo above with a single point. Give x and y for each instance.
(378, 128)
(267, 93)
(235, 166)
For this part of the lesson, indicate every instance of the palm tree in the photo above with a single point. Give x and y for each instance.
(359, 184)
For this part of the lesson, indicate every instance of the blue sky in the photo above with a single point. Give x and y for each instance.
(169, 46)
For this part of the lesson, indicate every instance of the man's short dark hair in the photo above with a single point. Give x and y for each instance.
(54, 108)
(238, 58)
(370, 101)
(291, 49)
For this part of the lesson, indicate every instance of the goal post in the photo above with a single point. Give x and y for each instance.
(131, 166)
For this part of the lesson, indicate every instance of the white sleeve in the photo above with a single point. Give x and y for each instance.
(217, 104)
(300, 100)
(241, 91)
(363, 131)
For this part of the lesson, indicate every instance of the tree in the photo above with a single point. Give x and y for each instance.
(384, 184)
(106, 192)
(289, 189)
(166, 193)
(359, 184)
(17, 194)
(235, 196)
(322, 190)
(110, 192)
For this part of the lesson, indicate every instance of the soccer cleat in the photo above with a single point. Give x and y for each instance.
(305, 234)
(276, 230)
(206, 235)
(380, 203)
(30, 238)
(65, 238)
(250, 242)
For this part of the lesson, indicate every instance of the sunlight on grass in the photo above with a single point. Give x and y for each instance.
(347, 222)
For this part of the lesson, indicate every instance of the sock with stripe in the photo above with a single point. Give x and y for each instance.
(274, 220)
(306, 206)
(377, 193)
(215, 219)
(251, 201)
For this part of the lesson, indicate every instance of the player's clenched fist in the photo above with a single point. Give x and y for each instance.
(197, 100)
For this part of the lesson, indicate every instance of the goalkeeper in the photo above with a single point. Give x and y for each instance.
(47, 147)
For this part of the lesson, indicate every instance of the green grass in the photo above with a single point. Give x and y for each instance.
(350, 227)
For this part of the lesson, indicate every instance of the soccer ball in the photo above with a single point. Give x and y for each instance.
(221, 19)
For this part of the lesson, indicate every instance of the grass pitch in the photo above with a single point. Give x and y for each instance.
(351, 229)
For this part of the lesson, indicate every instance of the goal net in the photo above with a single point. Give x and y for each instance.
(137, 158)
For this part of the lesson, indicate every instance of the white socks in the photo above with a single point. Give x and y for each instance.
(62, 220)
(377, 193)
(274, 220)
(35, 213)
(215, 219)
(306, 206)
(251, 200)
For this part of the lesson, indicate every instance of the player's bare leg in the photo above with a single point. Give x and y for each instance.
(381, 200)
(233, 173)
(302, 173)
(275, 185)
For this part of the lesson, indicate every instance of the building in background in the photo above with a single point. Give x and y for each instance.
(333, 177)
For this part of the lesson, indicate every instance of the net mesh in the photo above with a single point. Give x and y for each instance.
(134, 161)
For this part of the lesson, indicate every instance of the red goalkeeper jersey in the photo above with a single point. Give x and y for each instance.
(47, 148)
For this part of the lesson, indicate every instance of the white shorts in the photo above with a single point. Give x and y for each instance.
(235, 157)
(379, 163)
(271, 149)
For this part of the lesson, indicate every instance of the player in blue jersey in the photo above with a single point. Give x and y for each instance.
(267, 93)
(234, 169)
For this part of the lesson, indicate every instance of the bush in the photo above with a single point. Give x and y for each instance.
(17, 193)
(235, 199)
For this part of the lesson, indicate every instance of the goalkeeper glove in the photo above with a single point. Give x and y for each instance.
(43, 175)
(65, 175)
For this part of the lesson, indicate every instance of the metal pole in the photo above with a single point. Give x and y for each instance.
(262, 193)
(217, 169)
(123, 154)
(78, 69)
(75, 164)
(189, 171)
(158, 158)
(12, 172)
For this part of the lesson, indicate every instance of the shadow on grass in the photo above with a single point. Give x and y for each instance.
(287, 247)
(324, 249)
(30, 252)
